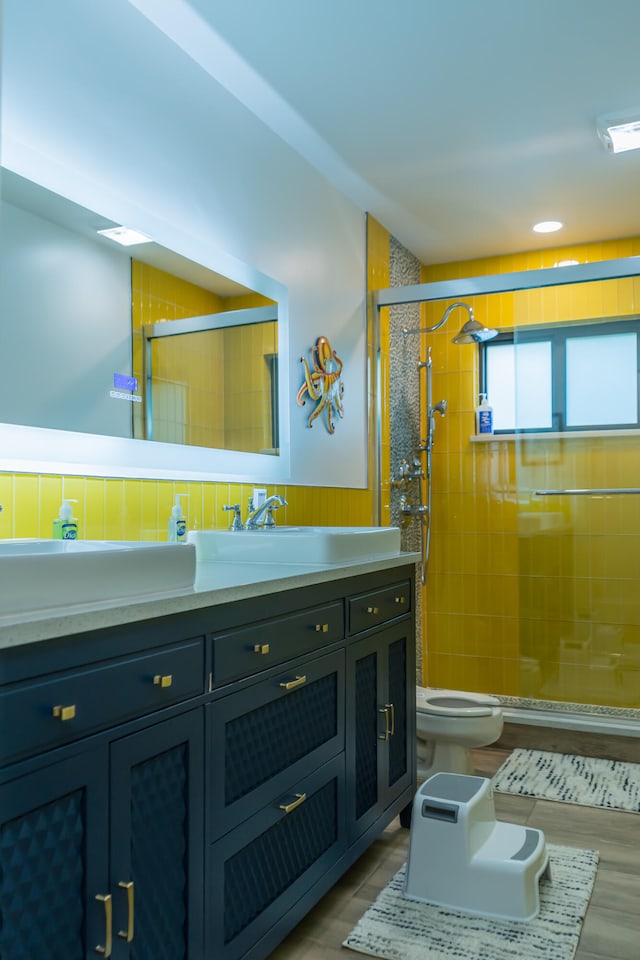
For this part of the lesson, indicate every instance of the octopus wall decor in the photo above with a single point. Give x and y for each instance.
(323, 384)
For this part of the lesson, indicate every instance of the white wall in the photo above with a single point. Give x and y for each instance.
(121, 120)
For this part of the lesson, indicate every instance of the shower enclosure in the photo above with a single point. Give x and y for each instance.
(532, 586)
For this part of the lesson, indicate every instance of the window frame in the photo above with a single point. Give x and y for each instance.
(557, 335)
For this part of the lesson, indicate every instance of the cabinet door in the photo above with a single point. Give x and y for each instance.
(399, 653)
(381, 724)
(156, 841)
(53, 855)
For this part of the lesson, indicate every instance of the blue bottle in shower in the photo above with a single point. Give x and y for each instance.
(484, 416)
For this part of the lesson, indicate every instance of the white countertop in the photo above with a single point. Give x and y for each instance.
(215, 583)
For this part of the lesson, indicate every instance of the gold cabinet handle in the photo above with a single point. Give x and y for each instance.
(390, 707)
(292, 684)
(373, 610)
(399, 600)
(322, 628)
(128, 933)
(385, 735)
(65, 713)
(106, 899)
(161, 680)
(288, 807)
(261, 648)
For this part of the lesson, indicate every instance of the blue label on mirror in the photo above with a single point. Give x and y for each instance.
(124, 382)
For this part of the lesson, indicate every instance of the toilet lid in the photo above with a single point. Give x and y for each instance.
(452, 703)
(454, 706)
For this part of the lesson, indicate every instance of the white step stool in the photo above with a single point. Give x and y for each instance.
(461, 857)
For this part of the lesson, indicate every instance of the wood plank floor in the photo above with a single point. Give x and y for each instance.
(611, 930)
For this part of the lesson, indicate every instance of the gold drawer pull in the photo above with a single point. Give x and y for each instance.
(292, 684)
(162, 680)
(322, 628)
(400, 600)
(385, 735)
(392, 710)
(65, 713)
(288, 807)
(128, 933)
(106, 899)
(373, 610)
(261, 648)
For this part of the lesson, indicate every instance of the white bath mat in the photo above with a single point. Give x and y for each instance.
(397, 929)
(560, 776)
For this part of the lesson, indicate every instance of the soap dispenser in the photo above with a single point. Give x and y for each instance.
(177, 522)
(484, 416)
(65, 525)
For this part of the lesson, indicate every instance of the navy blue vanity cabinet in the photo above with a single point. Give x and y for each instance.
(309, 754)
(188, 787)
(104, 864)
(101, 820)
(380, 749)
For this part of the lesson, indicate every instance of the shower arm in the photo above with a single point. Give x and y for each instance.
(441, 322)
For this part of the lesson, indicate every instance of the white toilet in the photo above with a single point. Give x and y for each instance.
(448, 724)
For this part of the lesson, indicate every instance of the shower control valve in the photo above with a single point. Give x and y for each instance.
(404, 477)
(409, 509)
(416, 472)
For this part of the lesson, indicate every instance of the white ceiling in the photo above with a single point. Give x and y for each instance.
(457, 123)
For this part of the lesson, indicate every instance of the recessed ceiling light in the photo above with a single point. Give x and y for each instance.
(125, 235)
(566, 263)
(618, 132)
(548, 226)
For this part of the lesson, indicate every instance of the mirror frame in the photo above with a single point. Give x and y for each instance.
(39, 450)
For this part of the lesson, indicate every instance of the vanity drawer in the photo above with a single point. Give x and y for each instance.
(41, 715)
(261, 870)
(371, 609)
(262, 737)
(243, 652)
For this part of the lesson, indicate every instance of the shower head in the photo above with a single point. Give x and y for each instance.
(472, 332)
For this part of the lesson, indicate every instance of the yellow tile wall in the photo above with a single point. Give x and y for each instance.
(139, 509)
(512, 609)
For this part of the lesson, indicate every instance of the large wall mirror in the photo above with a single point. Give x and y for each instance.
(132, 360)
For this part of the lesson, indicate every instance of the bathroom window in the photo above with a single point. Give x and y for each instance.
(563, 378)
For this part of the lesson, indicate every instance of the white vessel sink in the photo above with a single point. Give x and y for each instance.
(296, 544)
(44, 574)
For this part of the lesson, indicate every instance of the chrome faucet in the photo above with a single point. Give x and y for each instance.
(263, 516)
(237, 518)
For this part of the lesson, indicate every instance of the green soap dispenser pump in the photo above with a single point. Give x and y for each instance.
(177, 522)
(65, 525)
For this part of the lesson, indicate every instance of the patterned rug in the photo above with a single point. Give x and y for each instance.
(397, 929)
(559, 776)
